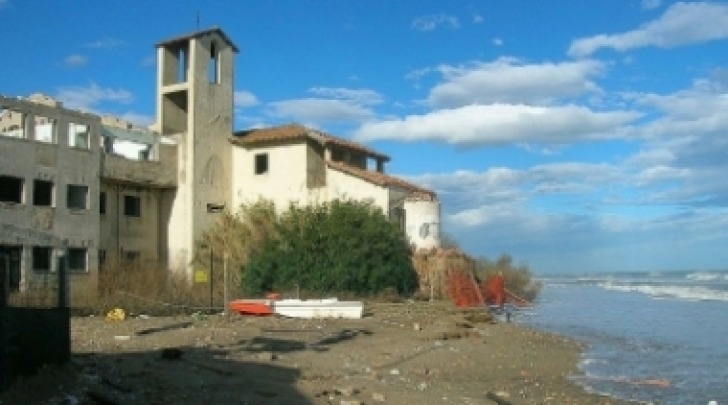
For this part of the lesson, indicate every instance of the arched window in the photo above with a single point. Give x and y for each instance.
(213, 66)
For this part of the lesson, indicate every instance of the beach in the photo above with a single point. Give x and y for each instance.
(403, 353)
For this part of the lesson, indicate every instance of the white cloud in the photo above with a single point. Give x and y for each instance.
(75, 60)
(106, 43)
(651, 4)
(358, 96)
(418, 74)
(478, 19)
(319, 110)
(497, 42)
(681, 24)
(434, 21)
(4, 3)
(331, 105)
(507, 80)
(697, 110)
(479, 125)
(140, 120)
(245, 99)
(87, 98)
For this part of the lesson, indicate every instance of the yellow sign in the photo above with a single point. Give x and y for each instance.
(201, 276)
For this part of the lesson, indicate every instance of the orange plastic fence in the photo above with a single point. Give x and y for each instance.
(465, 293)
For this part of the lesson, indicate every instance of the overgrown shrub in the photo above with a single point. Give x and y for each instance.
(235, 236)
(335, 247)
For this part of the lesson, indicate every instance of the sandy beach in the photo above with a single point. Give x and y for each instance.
(409, 353)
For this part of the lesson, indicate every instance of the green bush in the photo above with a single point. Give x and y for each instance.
(343, 246)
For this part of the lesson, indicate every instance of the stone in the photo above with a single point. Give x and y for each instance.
(347, 391)
(266, 356)
(378, 397)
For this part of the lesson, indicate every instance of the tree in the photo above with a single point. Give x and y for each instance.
(335, 247)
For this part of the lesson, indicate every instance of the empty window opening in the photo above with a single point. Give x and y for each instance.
(42, 258)
(213, 65)
(337, 155)
(78, 136)
(45, 129)
(102, 203)
(132, 206)
(102, 257)
(11, 258)
(77, 260)
(181, 65)
(42, 193)
(12, 123)
(11, 189)
(261, 163)
(77, 197)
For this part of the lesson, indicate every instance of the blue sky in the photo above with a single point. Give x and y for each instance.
(577, 136)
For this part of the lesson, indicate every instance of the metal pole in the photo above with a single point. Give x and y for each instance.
(4, 280)
(225, 291)
(211, 264)
(62, 269)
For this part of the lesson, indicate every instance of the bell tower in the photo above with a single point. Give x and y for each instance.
(195, 110)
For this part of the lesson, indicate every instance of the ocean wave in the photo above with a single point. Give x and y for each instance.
(708, 276)
(687, 293)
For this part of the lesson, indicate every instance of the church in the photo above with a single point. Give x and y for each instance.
(89, 188)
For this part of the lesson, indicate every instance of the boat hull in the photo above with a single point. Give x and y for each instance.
(325, 308)
(252, 307)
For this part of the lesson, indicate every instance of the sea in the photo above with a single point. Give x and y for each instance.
(657, 337)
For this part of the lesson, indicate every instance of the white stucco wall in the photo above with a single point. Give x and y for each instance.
(343, 186)
(423, 223)
(284, 183)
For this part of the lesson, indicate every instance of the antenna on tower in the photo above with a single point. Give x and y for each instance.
(198, 20)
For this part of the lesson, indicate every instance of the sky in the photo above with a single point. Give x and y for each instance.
(576, 136)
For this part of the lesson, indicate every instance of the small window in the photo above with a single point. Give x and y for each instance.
(15, 127)
(42, 193)
(182, 65)
(77, 260)
(102, 203)
(11, 189)
(261, 163)
(132, 206)
(42, 258)
(78, 136)
(213, 65)
(102, 257)
(77, 197)
(45, 130)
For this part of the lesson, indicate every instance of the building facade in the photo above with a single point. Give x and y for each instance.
(100, 189)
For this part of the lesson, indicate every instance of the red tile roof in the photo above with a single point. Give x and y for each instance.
(382, 179)
(295, 132)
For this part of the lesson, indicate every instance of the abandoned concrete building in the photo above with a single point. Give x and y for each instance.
(99, 188)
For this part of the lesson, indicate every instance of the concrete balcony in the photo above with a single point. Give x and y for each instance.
(155, 174)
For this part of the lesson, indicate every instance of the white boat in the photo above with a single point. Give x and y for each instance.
(318, 308)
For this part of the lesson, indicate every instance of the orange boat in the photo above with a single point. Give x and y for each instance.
(252, 307)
